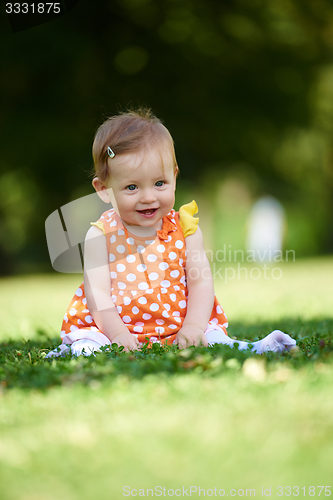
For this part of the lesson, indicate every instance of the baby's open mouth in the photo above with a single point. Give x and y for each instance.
(148, 211)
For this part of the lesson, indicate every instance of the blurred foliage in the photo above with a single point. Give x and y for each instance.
(246, 89)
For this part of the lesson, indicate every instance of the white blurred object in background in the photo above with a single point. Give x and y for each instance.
(266, 229)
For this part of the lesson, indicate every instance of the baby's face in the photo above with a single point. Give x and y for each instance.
(143, 185)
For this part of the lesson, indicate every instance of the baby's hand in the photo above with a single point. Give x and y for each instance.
(126, 339)
(191, 335)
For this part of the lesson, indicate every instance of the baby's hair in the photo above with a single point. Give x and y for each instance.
(125, 133)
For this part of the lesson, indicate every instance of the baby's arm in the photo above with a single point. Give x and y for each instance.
(200, 293)
(97, 285)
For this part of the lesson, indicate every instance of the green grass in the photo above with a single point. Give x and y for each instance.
(84, 428)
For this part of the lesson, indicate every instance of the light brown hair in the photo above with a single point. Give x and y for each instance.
(125, 133)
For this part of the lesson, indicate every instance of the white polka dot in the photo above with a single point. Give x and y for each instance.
(121, 292)
(153, 339)
(121, 249)
(73, 311)
(151, 257)
(176, 288)
(167, 307)
(79, 292)
(159, 329)
(180, 262)
(113, 238)
(149, 242)
(169, 238)
(130, 258)
(113, 275)
(160, 248)
(121, 285)
(88, 319)
(173, 297)
(142, 300)
(73, 328)
(218, 309)
(214, 320)
(174, 273)
(120, 268)
(158, 297)
(134, 292)
(66, 318)
(183, 280)
(143, 286)
(135, 310)
(172, 255)
(179, 244)
(163, 266)
(182, 304)
(140, 249)
(177, 319)
(154, 306)
(159, 321)
(165, 283)
(139, 323)
(173, 327)
(113, 223)
(119, 309)
(121, 232)
(131, 277)
(74, 303)
(85, 310)
(130, 241)
(141, 268)
(138, 329)
(164, 290)
(114, 298)
(146, 316)
(127, 301)
(84, 301)
(126, 319)
(149, 290)
(176, 313)
(153, 276)
(165, 314)
(112, 257)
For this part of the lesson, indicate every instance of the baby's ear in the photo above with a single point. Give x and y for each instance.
(101, 190)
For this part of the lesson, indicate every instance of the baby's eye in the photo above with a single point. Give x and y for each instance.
(131, 187)
(159, 183)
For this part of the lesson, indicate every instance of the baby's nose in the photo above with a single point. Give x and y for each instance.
(148, 196)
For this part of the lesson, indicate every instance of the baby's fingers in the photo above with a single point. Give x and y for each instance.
(203, 341)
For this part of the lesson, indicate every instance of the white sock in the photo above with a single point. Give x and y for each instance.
(89, 347)
(62, 350)
(276, 341)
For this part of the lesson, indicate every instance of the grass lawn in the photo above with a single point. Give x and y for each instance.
(229, 422)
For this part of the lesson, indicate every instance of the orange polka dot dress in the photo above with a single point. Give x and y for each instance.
(148, 283)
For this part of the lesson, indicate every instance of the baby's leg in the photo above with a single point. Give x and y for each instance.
(276, 341)
(75, 342)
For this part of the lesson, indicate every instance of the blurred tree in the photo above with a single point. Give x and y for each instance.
(236, 82)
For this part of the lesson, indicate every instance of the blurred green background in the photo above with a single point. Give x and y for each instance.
(245, 87)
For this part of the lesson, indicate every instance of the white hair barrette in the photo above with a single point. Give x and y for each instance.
(111, 153)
